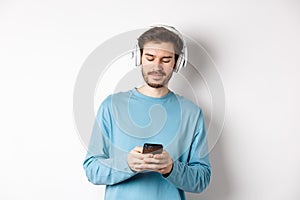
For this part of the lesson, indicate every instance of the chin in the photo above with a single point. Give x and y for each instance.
(155, 85)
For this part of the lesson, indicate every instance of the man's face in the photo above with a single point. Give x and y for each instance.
(158, 60)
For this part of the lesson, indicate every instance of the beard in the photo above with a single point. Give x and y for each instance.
(155, 85)
(164, 81)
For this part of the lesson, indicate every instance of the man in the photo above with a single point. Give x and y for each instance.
(150, 114)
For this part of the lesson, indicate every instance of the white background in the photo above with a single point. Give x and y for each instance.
(255, 45)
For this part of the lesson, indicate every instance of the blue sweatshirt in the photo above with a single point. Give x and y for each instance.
(129, 119)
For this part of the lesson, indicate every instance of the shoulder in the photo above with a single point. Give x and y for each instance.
(113, 98)
(187, 103)
(115, 102)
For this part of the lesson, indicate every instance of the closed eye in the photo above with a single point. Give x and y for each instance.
(150, 58)
(166, 61)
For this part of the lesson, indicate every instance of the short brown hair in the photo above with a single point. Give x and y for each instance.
(161, 34)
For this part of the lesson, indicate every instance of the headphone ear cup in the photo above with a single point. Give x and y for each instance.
(137, 55)
(179, 63)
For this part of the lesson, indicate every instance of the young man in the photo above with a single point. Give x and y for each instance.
(150, 114)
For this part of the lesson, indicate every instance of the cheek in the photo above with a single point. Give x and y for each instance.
(170, 66)
(144, 70)
(168, 70)
(145, 62)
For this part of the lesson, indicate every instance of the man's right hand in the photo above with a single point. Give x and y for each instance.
(136, 159)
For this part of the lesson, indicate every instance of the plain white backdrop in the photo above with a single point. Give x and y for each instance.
(255, 45)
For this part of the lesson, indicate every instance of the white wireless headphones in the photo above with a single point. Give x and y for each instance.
(182, 57)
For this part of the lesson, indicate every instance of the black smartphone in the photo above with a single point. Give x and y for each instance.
(153, 148)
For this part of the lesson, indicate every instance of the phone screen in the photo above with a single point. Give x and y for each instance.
(152, 148)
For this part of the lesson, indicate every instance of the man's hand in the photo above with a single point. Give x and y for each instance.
(136, 159)
(138, 162)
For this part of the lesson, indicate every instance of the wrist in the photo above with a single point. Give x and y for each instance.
(170, 167)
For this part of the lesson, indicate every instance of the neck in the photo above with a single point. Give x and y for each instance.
(153, 92)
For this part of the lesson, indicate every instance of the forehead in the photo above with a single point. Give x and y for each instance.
(159, 47)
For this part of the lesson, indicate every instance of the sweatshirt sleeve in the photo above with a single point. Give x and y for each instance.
(194, 174)
(102, 165)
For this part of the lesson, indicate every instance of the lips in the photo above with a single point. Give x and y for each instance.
(156, 76)
(157, 73)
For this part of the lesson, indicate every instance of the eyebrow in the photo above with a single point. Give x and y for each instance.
(149, 54)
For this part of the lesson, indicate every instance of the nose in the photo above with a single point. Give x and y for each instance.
(157, 64)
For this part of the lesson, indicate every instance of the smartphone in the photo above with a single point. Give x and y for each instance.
(152, 148)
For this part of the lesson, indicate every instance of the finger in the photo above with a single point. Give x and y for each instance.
(141, 156)
(137, 168)
(153, 167)
(159, 156)
(137, 161)
(137, 152)
(135, 164)
(147, 167)
(137, 149)
(153, 161)
(162, 155)
(134, 160)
